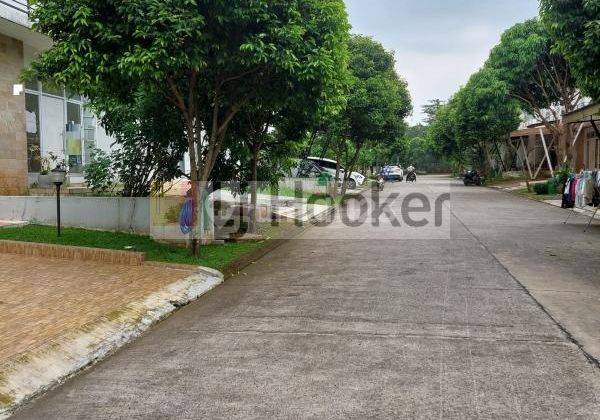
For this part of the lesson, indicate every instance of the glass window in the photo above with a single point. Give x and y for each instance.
(73, 137)
(72, 95)
(32, 85)
(32, 125)
(89, 133)
(73, 113)
(52, 88)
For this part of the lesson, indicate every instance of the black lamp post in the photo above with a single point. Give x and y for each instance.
(58, 176)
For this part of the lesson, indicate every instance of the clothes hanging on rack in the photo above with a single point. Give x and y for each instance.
(568, 200)
(596, 181)
(582, 190)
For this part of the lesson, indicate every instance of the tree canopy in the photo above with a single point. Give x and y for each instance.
(480, 113)
(484, 111)
(378, 99)
(210, 58)
(537, 76)
(430, 109)
(574, 27)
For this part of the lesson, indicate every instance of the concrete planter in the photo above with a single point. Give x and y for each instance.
(45, 180)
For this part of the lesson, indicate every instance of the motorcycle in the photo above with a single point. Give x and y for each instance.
(411, 177)
(379, 184)
(472, 178)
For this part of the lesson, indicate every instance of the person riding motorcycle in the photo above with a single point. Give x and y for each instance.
(411, 175)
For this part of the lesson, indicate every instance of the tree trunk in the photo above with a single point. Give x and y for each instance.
(568, 141)
(252, 223)
(338, 169)
(349, 170)
(194, 193)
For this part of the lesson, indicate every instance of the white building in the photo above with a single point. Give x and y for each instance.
(41, 118)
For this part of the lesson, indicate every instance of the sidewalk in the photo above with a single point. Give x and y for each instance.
(513, 188)
(58, 316)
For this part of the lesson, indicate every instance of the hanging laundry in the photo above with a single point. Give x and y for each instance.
(584, 188)
(568, 200)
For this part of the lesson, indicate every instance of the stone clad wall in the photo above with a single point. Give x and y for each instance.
(13, 140)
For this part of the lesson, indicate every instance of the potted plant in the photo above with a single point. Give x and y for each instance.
(44, 177)
(49, 164)
(60, 171)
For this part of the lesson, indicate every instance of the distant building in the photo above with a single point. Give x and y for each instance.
(528, 141)
(42, 118)
(585, 122)
(581, 151)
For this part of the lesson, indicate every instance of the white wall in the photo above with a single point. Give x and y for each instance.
(102, 213)
(103, 140)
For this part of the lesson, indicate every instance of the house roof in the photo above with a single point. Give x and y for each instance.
(591, 111)
(532, 130)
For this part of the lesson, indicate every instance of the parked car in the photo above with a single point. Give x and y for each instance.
(356, 179)
(392, 173)
(306, 169)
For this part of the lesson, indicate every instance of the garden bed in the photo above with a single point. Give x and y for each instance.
(213, 256)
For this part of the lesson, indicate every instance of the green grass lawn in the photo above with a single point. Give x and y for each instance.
(314, 197)
(526, 193)
(214, 256)
(502, 182)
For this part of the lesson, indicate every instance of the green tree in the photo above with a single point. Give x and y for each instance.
(430, 110)
(210, 58)
(441, 134)
(538, 77)
(420, 151)
(270, 140)
(484, 113)
(378, 100)
(573, 25)
(479, 114)
(150, 141)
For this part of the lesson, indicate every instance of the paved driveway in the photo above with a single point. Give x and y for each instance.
(363, 322)
(44, 299)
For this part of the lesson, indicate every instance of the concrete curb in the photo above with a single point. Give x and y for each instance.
(46, 367)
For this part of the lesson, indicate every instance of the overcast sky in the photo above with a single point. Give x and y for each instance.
(438, 43)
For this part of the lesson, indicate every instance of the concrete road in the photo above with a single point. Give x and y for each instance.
(375, 321)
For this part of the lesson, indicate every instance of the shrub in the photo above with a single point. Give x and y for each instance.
(99, 173)
(563, 174)
(541, 188)
(553, 186)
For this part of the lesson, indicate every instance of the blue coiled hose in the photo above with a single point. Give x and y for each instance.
(186, 217)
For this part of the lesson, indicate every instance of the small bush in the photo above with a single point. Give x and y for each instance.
(562, 175)
(99, 173)
(541, 188)
(553, 186)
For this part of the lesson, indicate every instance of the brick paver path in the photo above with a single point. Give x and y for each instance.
(43, 298)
